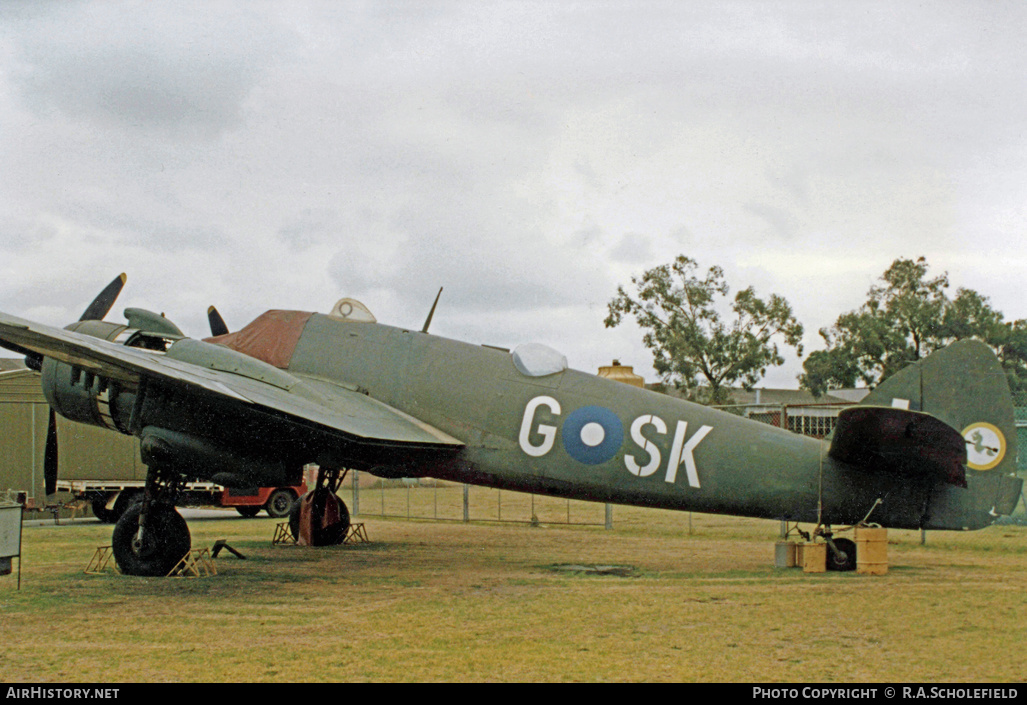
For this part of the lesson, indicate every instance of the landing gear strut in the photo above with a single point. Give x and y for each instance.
(320, 518)
(151, 537)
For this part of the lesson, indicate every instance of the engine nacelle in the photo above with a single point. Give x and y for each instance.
(173, 425)
(83, 395)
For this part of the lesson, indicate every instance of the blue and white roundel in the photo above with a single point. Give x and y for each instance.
(592, 434)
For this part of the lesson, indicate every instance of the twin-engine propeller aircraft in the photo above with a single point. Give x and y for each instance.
(933, 447)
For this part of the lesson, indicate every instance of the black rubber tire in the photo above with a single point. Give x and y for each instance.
(100, 510)
(167, 540)
(294, 517)
(248, 512)
(280, 503)
(846, 546)
(321, 536)
(126, 499)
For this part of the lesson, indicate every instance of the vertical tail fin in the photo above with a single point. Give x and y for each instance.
(964, 386)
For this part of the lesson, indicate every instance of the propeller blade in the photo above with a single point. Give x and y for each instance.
(50, 458)
(104, 300)
(217, 323)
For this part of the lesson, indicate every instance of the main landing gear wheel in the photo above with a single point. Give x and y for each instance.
(319, 518)
(161, 546)
(842, 563)
(126, 498)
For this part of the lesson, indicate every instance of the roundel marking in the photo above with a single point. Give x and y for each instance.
(985, 446)
(592, 434)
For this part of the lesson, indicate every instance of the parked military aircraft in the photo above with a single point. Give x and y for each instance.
(933, 447)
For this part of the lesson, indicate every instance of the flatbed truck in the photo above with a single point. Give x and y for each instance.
(110, 498)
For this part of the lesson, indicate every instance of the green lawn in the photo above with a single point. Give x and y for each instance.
(447, 601)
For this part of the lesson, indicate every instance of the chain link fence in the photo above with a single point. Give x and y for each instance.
(1020, 415)
(431, 499)
(815, 420)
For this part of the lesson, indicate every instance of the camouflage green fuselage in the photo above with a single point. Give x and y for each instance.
(647, 449)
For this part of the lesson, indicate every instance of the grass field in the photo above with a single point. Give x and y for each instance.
(434, 601)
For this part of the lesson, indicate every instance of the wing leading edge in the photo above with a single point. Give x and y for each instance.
(331, 407)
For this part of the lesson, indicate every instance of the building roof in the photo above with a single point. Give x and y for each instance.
(795, 396)
(11, 363)
(787, 397)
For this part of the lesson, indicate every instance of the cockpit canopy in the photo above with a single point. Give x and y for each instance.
(537, 360)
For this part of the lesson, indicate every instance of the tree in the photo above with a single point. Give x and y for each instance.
(903, 320)
(1013, 354)
(693, 347)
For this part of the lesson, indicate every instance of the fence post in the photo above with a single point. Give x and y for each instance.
(356, 493)
(467, 511)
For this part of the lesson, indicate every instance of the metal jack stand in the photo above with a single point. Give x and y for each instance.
(356, 534)
(101, 561)
(283, 535)
(197, 563)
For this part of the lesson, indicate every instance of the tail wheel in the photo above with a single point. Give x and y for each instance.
(839, 562)
(319, 518)
(162, 545)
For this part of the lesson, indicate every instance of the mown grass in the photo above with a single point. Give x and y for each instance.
(430, 601)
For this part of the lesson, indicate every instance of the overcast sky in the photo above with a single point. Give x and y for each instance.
(528, 157)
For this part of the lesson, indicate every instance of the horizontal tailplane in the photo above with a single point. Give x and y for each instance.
(901, 442)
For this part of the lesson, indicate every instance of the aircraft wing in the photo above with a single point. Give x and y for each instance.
(900, 441)
(306, 402)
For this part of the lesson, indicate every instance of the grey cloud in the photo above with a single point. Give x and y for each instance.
(511, 152)
(143, 66)
(309, 227)
(125, 228)
(633, 249)
(587, 235)
(777, 222)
